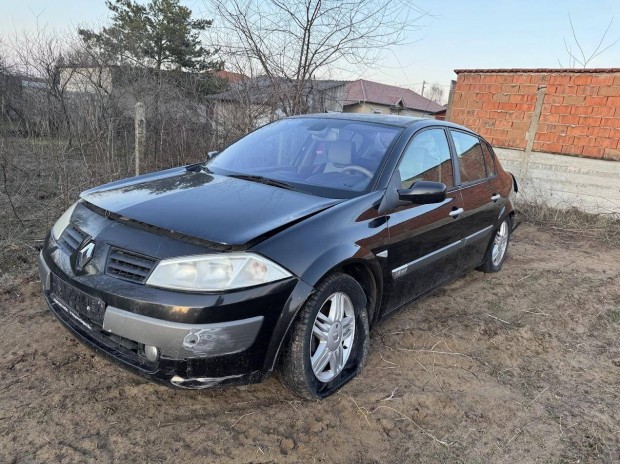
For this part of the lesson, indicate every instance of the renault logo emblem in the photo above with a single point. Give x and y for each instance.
(84, 255)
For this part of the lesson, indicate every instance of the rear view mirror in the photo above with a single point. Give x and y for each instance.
(424, 192)
(212, 154)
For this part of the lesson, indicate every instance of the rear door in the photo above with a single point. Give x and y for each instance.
(424, 239)
(480, 199)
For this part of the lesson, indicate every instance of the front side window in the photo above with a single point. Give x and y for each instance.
(427, 157)
(471, 159)
(330, 157)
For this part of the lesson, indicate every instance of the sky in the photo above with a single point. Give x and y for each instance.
(455, 34)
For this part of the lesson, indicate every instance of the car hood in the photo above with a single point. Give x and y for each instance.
(210, 207)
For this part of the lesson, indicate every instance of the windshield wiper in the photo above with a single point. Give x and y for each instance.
(199, 167)
(263, 180)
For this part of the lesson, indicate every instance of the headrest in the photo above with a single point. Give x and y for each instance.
(340, 152)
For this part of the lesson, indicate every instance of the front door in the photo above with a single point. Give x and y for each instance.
(424, 239)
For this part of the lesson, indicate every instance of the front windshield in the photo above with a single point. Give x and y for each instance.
(328, 157)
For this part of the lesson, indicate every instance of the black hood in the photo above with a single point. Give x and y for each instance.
(210, 207)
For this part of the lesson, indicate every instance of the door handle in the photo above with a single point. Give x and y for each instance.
(495, 197)
(456, 212)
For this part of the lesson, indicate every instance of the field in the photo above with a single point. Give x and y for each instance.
(520, 366)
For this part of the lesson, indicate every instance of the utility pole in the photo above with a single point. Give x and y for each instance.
(423, 85)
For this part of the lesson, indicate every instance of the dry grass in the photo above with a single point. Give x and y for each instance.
(572, 222)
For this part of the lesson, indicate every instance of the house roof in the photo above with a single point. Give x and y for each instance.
(539, 70)
(230, 76)
(390, 95)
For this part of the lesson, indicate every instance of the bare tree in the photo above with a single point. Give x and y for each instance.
(293, 42)
(436, 93)
(577, 54)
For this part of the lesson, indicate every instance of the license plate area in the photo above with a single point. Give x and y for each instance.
(84, 306)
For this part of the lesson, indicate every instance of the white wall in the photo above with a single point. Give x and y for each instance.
(565, 181)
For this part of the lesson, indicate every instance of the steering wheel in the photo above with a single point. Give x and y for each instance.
(359, 169)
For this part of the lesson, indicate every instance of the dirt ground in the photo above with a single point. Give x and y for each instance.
(520, 366)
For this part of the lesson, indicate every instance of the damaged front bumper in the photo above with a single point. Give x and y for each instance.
(189, 354)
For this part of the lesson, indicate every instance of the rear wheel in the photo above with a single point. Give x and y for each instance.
(496, 253)
(329, 343)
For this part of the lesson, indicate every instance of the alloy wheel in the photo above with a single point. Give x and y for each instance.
(332, 337)
(500, 243)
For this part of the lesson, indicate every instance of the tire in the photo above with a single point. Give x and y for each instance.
(296, 368)
(493, 263)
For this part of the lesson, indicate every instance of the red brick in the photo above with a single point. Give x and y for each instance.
(526, 107)
(610, 122)
(559, 79)
(503, 124)
(474, 105)
(521, 125)
(583, 140)
(593, 152)
(577, 130)
(560, 109)
(574, 99)
(522, 79)
(554, 147)
(510, 88)
(493, 88)
(515, 134)
(518, 98)
(587, 90)
(616, 80)
(603, 111)
(528, 88)
(590, 121)
(582, 79)
(553, 99)
(481, 114)
(603, 79)
(503, 78)
(606, 142)
(501, 97)
(613, 101)
(500, 133)
(599, 131)
(571, 149)
(539, 146)
(568, 119)
(507, 106)
(557, 89)
(581, 110)
(609, 91)
(546, 137)
(548, 117)
(595, 101)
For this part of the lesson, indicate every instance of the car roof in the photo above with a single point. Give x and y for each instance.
(387, 119)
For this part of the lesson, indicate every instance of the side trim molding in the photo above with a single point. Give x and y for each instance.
(426, 259)
(438, 254)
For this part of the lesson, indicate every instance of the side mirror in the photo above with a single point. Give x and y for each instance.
(212, 154)
(424, 192)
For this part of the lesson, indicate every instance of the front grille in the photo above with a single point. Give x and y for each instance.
(71, 238)
(129, 266)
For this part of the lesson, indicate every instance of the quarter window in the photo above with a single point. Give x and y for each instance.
(470, 156)
(489, 160)
(427, 157)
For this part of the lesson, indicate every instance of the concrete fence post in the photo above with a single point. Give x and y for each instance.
(140, 137)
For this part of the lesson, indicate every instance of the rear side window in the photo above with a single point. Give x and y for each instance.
(427, 157)
(489, 159)
(470, 155)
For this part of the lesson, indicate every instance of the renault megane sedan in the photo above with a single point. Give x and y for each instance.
(280, 253)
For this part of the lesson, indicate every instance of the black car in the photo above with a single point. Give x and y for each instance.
(281, 252)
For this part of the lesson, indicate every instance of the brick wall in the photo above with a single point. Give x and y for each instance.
(579, 109)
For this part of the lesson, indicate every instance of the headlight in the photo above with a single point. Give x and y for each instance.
(225, 271)
(63, 222)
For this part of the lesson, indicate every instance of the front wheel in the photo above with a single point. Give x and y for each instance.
(496, 253)
(329, 343)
